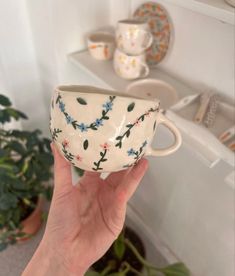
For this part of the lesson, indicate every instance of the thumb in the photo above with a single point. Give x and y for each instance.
(62, 172)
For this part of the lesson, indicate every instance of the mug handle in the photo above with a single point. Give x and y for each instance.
(178, 139)
(148, 39)
(144, 70)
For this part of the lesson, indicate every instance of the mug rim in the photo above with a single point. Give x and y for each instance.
(141, 55)
(64, 89)
(130, 21)
(101, 37)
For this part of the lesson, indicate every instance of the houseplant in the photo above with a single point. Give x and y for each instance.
(25, 162)
(127, 257)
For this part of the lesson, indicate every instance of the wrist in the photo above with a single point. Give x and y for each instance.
(48, 261)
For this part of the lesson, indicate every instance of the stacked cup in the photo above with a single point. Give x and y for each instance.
(133, 37)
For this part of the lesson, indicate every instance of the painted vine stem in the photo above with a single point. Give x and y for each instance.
(81, 126)
(130, 126)
(138, 154)
(103, 153)
(54, 133)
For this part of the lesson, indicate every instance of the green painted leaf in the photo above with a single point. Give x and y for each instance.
(82, 101)
(119, 138)
(4, 101)
(130, 107)
(176, 269)
(85, 144)
(154, 126)
(128, 133)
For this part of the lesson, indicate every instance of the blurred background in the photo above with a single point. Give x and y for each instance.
(185, 204)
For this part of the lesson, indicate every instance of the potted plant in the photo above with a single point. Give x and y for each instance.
(127, 257)
(25, 162)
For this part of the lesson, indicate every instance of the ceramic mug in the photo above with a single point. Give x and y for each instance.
(130, 67)
(105, 131)
(133, 36)
(101, 45)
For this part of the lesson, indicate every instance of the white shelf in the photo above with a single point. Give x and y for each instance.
(103, 72)
(217, 9)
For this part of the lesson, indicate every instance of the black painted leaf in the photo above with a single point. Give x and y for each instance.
(105, 117)
(85, 144)
(95, 164)
(130, 107)
(119, 138)
(128, 133)
(154, 126)
(103, 112)
(104, 160)
(101, 154)
(129, 125)
(119, 144)
(142, 117)
(81, 101)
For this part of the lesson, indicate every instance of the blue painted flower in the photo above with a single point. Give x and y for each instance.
(62, 106)
(69, 119)
(82, 127)
(108, 106)
(131, 152)
(144, 144)
(98, 122)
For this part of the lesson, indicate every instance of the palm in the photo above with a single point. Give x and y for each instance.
(90, 215)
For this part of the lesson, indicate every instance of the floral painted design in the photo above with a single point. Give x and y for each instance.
(137, 154)
(54, 133)
(67, 154)
(158, 20)
(83, 127)
(97, 165)
(136, 123)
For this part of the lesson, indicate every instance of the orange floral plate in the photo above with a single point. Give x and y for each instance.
(158, 20)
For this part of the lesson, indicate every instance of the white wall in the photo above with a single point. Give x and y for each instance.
(202, 49)
(18, 68)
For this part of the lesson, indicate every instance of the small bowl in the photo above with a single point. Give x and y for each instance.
(104, 131)
(101, 45)
(154, 89)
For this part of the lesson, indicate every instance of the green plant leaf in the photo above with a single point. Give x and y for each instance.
(92, 273)
(7, 201)
(119, 246)
(4, 101)
(85, 144)
(176, 269)
(130, 107)
(82, 101)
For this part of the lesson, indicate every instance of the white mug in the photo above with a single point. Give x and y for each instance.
(130, 67)
(101, 45)
(133, 36)
(102, 130)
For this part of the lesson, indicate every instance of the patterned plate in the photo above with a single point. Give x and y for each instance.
(158, 20)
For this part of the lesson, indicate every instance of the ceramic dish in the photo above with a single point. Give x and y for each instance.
(159, 24)
(101, 130)
(154, 89)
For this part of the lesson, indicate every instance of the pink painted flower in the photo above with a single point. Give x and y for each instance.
(137, 122)
(147, 113)
(105, 146)
(79, 158)
(65, 143)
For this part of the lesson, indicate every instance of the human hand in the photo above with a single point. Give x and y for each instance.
(84, 220)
